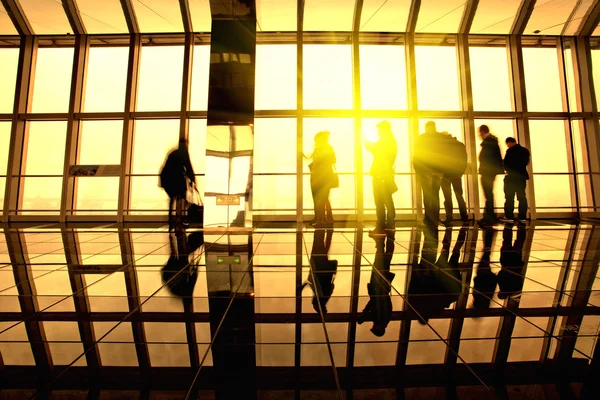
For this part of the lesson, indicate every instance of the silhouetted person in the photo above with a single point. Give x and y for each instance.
(490, 165)
(174, 177)
(322, 275)
(510, 277)
(180, 273)
(452, 179)
(379, 307)
(430, 160)
(434, 284)
(485, 281)
(382, 171)
(515, 181)
(322, 179)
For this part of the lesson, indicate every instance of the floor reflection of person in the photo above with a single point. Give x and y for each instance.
(485, 280)
(322, 179)
(379, 308)
(175, 175)
(322, 274)
(434, 283)
(180, 273)
(510, 277)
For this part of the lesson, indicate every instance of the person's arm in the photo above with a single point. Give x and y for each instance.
(189, 170)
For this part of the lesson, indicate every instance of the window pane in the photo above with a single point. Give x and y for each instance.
(570, 78)
(341, 138)
(389, 16)
(274, 145)
(553, 191)
(200, 72)
(490, 79)
(274, 192)
(382, 77)
(440, 16)
(42, 136)
(596, 73)
(100, 142)
(327, 77)
(197, 145)
(542, 79)
(549, 17)
(158, 15)
(97, 193)
(106, 79)
(437, 81)
(41, 194)
(580, 146)
(161, 74)
(152, 141)
(6, 25)
(400, 130)
(545, 157)
(4, 146)
(147, 195)
(495, 16)
(46, 17)
(8, 78)
(328, 15)
(276, 77)
(102, 17)
(201, 17)
(276, 15)
(52, 83)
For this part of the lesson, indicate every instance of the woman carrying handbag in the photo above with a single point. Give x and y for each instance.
(323, 178)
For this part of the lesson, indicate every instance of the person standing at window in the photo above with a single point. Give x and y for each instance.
(515, 181)
(453, 178)
(322, 179)
(384, 159)
(490, 165)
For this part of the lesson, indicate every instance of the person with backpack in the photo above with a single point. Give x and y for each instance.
(175, 175)
(490, 165)
(515, 181)
(452, 178)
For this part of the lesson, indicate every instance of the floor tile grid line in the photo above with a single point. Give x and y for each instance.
(32, 316)
(445, 341)
(510, 311)
(54, 270)
(97, 341)
(322, 315)
(218, 330)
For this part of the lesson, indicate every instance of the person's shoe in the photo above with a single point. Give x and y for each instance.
(522, 221)
(390, 228)
(464, 218)
(508, 221)
(448, 221)
(311, 222)
(377, 232)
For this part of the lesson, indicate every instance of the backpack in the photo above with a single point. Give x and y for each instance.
(458, 153)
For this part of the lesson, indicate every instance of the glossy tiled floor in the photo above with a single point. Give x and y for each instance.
(299, 312)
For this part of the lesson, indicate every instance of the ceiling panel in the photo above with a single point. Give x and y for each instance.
(549, 16)
(328, 15)
(440, 16)
(46, 17)
(102, 17)
(201, 18)
(495, 16)
(276, 15)
(6, 25)
(579, 12)
(158, 15)
(384, 16)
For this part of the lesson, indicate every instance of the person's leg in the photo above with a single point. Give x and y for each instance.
(487, 184)
(457, 185)
(391, 210)
(313, 190)
(509, 197)
(171, 218)
(379, 197)
(436, 183)
(328, 211)
(425, 181)
(320, 205)
(447, 191)
(522, 197)
(179, 212)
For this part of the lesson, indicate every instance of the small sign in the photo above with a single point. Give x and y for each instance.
(95, 170)
(228, 260)
(228, 200)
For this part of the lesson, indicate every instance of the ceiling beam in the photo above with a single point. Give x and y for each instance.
(74, 17)
(522, 18)
(130, 18)
(186, 15)
(468, 16)
(413, 15)
(17, 16)
(590, 20)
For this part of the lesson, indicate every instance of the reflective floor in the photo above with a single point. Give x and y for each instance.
(295, 313)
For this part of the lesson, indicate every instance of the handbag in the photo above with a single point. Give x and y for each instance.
(195, 210)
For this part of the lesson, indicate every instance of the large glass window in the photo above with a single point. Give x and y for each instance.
(8, 78)
(327, 77)
(437, 78)
(200, 73)
(382, 77)
(106, 79)
(276, 78)
(4, 153)
(52, 84)
(160, 79)
(596, 72)
(490, 79)
(542, 79)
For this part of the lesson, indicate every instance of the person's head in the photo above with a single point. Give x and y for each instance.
(384, 128)
(510, 142)
(321, 138)
(483, 130)
(430, 127)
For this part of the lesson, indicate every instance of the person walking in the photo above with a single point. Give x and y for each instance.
(430, 160)
(382, 171)
(175, 175)
(515, 181)
(322, 179)
(490, 165)
(452, 178)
